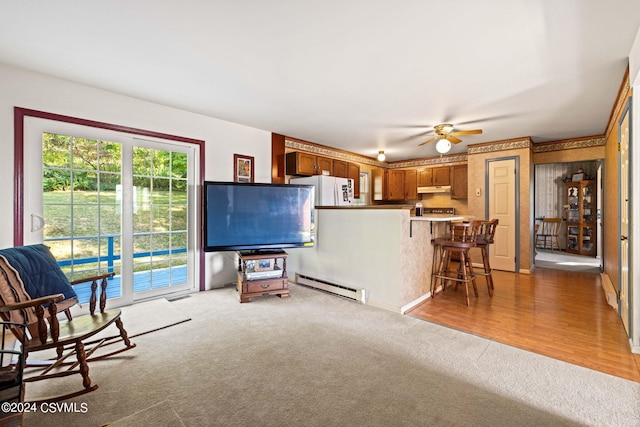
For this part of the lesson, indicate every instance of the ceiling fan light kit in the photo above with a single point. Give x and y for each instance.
(443, 146)
(445, 135)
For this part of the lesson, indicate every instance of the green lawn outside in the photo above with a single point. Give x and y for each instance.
(160, 223)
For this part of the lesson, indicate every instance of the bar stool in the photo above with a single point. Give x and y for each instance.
(461, 239)
(486, 233)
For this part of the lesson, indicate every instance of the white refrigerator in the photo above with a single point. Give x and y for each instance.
(330, 190)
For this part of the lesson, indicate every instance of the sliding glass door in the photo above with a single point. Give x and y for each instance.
(111, 202)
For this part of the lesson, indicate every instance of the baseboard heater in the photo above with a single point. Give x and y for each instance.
(359, 295)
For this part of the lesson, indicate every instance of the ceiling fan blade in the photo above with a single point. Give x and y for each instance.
(487, 119)
(467, 132)
(453, 139)
(428, 141)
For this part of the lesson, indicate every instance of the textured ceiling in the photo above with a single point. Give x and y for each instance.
(357, 75)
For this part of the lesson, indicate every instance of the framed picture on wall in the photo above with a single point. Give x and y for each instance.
(242, 168)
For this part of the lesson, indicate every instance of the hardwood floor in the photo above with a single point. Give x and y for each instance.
(559, 314)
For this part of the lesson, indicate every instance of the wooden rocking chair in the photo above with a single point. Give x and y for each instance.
(11, 372)
(45, 331)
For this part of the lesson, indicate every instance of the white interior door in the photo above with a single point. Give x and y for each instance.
(502, 205)
(624, 221)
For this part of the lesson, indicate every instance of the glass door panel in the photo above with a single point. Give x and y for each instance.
(81, 211)
(160, 220)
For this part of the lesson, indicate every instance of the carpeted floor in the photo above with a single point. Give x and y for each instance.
(319, 360)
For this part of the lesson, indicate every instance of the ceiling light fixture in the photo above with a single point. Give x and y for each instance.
(381, 156)
(443, 146)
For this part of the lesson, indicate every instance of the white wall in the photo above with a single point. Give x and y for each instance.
(20, 88)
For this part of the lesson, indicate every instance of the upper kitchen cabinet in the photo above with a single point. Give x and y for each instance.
(410, 184)
(441, 176)
(353, 172)
(301, 163)
(425, 177)
(434, 176)
(394, 184)
(340, 168)
(379, 184)
(459, 182)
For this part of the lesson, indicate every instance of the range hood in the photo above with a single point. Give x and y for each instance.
(435, 189)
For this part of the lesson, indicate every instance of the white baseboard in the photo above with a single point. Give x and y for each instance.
(414, 303)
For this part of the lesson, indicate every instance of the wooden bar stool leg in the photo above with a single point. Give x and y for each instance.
(471, 274)
(487, 270)
(440, 274)
(435, 264)
(463, 266)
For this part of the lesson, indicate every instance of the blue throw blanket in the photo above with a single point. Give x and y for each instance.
(38, 270)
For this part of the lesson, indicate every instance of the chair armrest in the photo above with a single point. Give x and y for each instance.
(49, 299)
(102, 279)
(40, 329)
(93, 278)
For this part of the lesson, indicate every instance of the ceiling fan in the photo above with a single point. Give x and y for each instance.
(445, 136)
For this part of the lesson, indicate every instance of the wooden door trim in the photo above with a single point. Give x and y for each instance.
(626, 113)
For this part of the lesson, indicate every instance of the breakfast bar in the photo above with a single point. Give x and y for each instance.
(382, 249)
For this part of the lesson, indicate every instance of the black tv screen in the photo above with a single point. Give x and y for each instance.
(254, 216)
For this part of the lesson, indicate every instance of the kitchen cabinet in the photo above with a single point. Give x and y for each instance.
(394, 184)
(379, 187)
(434, 176)
(307, 164)
(340, 168)
(459, 181)
(411, 184)
(353, 172)
(301, 163)
(441, 176)
(581, 217)
(425, 177)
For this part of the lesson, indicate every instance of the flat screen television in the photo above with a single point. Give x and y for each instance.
(257, 217)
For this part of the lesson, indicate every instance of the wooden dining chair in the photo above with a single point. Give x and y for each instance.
(11, 375)
(547, 233)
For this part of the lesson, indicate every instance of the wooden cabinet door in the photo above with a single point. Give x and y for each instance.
(340, 169)
(300, 163)
(353, 172)
(410, 185)
(324, 164)
(379, 189)
(425, 177)
(459, 182)
(396, 185)
(441, 176)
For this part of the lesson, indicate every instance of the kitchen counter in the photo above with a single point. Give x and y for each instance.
(441, 217)
(364, 207)
(385, 251)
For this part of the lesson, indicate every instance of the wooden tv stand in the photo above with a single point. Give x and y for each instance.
(249, 287)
